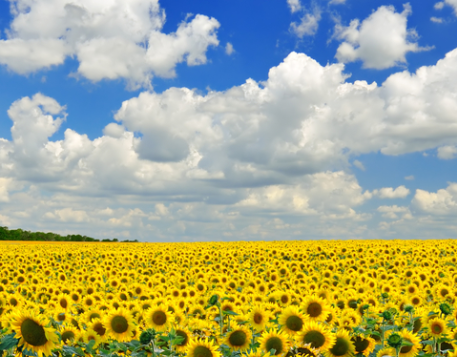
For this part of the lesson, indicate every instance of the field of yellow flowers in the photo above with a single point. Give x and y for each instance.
(282, 298)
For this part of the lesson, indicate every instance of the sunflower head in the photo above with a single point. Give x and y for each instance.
(239, 338)
(202, 348)
(291, 319)
(274, 340)
(316, 336)
(343, 347)
(32, 332)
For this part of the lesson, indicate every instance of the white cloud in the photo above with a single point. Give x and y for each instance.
(381, 41)
(229, 48)
(391, 211)
(111, 40)
(232, 160)
(294, 5)
(451, 3)
(437, 20)
(439, 5)
(447, 152)
(359, 165)
(308, 25)
(409, 178)
(443, 202)
(388, 192)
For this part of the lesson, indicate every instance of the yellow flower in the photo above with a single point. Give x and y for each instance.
(437, 327)
(315, 308)
(410, 351)
(119, 324)
(343, 347)
(158, 317)
(259, 317)
(32, 333)
(187, 335)
(202, 348)
(90, 335)
(276, 340)
(316, 336)
(239, 338)
(291, 319)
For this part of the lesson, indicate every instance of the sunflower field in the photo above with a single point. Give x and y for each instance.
(232, 299)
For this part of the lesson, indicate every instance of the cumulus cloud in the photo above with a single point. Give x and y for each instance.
(359, 165)
(389, 192)
(381, 41)
(393, 211)
(451, 3)
(110, 40)
(447, 152)
(308, 25)
(443, 202)
(232, 160)
(294, 5)
(229, 48)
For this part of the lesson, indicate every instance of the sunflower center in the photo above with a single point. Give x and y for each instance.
(258, 318)
(33, 333)
(437, 328)
(98, 327)
(119, 324)
(159, 318)
(61, 317)
(202, 351)
(341, 347)
(406, 349)
(360, 344)
(316, 338)
(67, 336)
(181, 333)
(294, 323)
(417, 325)
(276, 343)
(237, 338)
(94, 315)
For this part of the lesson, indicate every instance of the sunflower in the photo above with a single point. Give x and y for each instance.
(259, 317)
(315, 308)
(187, 335)
(98, 326)
(239, 338)
(410, 351)
(91, 314)
(343, 347)
(437, 327)
(202, 348)
(32, 332)
(363, 345)
(274, 340)
(158, 317)
(316, 336)
(119, 324)
(386, 352)
(291, 319)
(68, 334)
(90, 335)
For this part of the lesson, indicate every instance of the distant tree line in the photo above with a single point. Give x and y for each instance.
(19, 234)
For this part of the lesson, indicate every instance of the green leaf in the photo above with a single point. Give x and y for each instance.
(8, 341)
(229, 312)
(73, 351)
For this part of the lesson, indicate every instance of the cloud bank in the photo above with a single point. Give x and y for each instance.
(110, 39)
(245, 163)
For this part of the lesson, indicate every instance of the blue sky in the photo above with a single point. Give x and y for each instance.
(229, 120)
